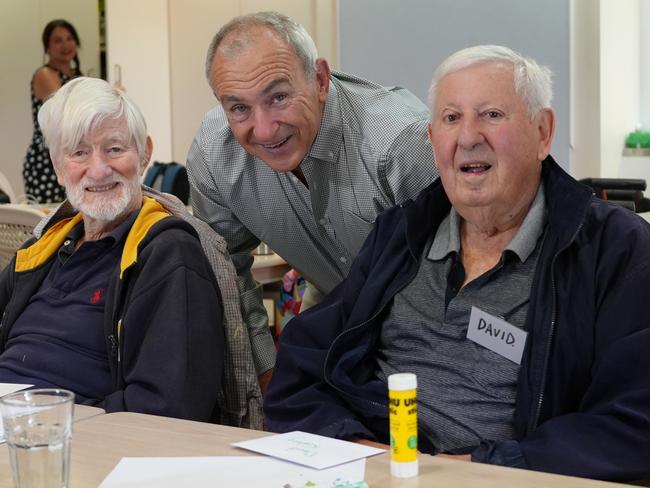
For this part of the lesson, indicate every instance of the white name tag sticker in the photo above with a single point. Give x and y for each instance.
(497, 335)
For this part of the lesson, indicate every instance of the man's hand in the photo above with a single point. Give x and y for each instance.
(264, 380)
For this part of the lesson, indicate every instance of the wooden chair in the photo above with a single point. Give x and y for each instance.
(16, 225)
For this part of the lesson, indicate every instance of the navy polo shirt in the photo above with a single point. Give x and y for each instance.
(58, 340)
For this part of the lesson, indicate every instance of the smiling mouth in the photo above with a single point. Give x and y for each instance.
(276, 145)
(475, 168)
(103, 188)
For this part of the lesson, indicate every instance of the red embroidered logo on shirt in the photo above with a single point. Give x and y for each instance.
(97, 295)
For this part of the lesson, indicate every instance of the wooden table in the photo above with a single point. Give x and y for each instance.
(82, 412)
(269, 268)
(98, 443)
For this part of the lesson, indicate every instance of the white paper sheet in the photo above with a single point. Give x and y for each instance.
(6, 388)
(311, 450)
(230, 472)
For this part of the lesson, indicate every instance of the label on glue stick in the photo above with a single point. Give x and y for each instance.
(403, 417)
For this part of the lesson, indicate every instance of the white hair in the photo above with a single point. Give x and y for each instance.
(532, 81)
(80, 106)
(294, 34)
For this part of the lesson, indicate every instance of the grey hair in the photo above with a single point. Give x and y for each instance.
(294, 34)
(80, 106)
(532, 81)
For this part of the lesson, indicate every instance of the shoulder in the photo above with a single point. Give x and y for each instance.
(394, 100)
(170, 230)
(381, 114)
(46, 82)
(214, 129)
(614, 219)
(45, 72)
(617, 235)
(214, 143)
(172, 242)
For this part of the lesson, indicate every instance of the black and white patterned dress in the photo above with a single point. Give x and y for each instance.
(38, 174)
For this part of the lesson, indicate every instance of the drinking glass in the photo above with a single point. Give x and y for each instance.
(38, 428)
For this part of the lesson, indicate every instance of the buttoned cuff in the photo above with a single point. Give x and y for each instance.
(264, 352)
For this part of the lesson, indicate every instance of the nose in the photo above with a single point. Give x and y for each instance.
(470, 134)
(265, 126)
(98, 168)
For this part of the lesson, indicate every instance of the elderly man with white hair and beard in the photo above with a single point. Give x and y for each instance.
(518, 298)
(115, 300)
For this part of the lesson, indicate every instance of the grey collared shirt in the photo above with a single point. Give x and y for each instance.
(465, 392)
(447, 238)
(371, 152)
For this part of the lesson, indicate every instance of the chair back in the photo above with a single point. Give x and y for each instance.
(5, 186)
(16, 225)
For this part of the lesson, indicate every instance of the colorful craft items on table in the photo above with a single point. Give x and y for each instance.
(288, 305)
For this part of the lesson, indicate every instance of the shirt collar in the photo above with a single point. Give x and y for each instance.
(116, 235)
(447, 238)
(328, 141)
(525, 240)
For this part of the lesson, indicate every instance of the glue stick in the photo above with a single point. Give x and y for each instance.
(403, 419)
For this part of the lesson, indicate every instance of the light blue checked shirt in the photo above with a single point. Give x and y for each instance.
(370, 154)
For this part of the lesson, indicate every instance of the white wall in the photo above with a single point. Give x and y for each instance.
(137, 39)
(190, 35)
(585, 88)
(21, 52)
(401, 43)
(161, 45)
(644, 18)
(620, 79)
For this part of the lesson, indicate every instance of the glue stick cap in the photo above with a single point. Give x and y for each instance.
(402, 381)
(404, 470)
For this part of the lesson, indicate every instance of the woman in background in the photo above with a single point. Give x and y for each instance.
(60, 43)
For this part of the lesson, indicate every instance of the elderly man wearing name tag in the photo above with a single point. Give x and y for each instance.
(518, 298)
(115, 299)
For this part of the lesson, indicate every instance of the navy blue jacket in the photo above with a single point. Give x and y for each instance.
(162, 320)
(583, 391)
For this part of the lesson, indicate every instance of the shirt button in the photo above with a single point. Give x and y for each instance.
(322, 221)
(330, 154)
(66, 242)
(344, 259)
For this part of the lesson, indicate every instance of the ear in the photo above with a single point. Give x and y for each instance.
(546, 128)
(145, 161)
(430, 133)
(57, 165)
(322, 79)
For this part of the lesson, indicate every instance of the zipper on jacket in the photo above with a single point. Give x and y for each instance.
(551, 332)
(362, 324)
(115, 342)
(115, 350)
(371, 402)
(119, 332)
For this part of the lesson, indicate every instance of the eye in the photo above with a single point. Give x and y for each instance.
(450, 118)
(78, 153)
(238, 109)
(115, 150)
(493, 114)
(279, 97)
(238, 112)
